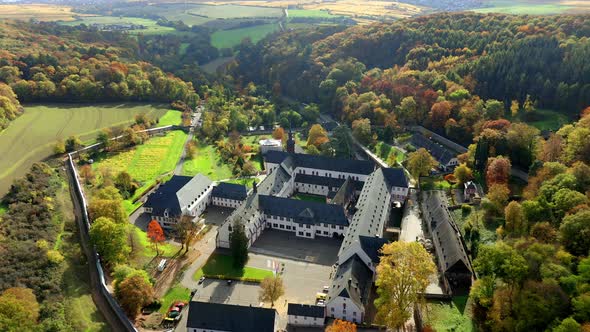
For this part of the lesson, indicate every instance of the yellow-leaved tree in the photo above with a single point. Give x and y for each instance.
(403, 273)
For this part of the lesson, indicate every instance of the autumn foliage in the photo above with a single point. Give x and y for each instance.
(341, 326)
(155, 234)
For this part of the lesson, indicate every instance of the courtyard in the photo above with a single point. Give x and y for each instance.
(281, 244)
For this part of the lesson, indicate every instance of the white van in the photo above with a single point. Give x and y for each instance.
(162, 265)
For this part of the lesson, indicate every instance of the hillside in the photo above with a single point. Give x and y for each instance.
(47, 62)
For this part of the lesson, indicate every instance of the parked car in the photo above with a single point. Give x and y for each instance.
(229, 282)
(326, 289)
(201, 280)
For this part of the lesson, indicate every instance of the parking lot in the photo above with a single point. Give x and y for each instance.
(321, 250)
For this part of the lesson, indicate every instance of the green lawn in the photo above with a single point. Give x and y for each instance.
(453, 316)
(151, 26)
(310, 198)
(247, 182)
(221, 266)
(230, 38)
(142, 250)
(171, 117)
(208, 162)
(40, 126)
(545, 119)
(175, 293)
(384, 150)
(434, 183)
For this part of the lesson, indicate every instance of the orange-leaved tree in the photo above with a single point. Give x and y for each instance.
(341, 326)
(155, 234)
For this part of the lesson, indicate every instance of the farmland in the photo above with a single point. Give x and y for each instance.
(41, 12)
(37, 130)
(145, 163)
(150, 25)
(535, 7)
(231, 38)
(194, 14)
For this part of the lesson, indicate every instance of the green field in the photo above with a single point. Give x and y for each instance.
(194, 14)
(151, 26)
(231, 38)
(32, 136)
(222, 266)
(208, 162)
(520, 7)
(146, 163)
(171, 117)
(310, 13)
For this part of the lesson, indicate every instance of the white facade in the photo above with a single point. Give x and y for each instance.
(270, 145)
(306, 321)
(226, 202)
(345, 309)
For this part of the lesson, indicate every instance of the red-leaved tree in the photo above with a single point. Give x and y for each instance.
(498, 171)
(155, 234)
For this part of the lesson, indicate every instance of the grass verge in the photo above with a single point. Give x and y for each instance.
(207, 161)
(221, 267)
(310, 198)
(453, 316)
(175, 293)
(171, 117)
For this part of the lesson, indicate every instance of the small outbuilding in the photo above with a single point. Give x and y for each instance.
(306, 315)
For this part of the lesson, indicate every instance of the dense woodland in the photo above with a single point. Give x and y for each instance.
(46, 62)
(451, 72)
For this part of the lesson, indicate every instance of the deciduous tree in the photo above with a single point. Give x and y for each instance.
(271, 289)
(420, 163)
(498, 171)
(575, 232)
(110, 240)
(186, 230)
(19, 310)
(317, 136)
(341, 326)
(278, 133)
(361, 129)
(155, 234)
(516, 224)
(463, 173)
(133, 294)
(403, 273)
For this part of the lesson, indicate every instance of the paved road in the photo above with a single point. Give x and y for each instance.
(411, 227)
(206, 246)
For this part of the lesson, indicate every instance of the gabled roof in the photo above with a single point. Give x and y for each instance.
(320, 162)
(228, 317)
(301, 211)
(344, 193)
(325, 181)
(395, 177)
(230, 190)
(372, 208)
(445, 233)
(371, 246)
(306, 310)
(437, 150)
(176, 193)
(352, 280)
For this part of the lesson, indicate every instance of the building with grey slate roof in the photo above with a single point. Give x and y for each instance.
(446, 157)
(306, 314)
(181, 195)
(452, 259)
(220, 317)
(350, 291)
(228, 194)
